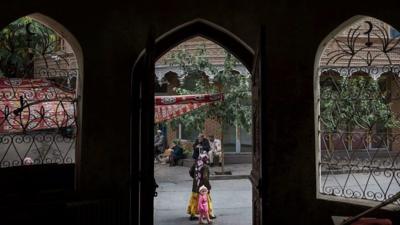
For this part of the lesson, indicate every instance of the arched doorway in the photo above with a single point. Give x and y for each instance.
(221, 111)
(40, 116)
(142, 161)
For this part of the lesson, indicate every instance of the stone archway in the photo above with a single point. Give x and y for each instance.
(348, 137)
(142, 135)
(58, 70)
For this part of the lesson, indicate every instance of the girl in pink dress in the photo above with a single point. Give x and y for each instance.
(203, 205)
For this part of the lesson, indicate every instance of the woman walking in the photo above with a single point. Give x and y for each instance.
(200, 173)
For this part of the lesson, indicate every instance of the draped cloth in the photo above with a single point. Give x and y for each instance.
(45, 105)
(170, 107)
(372, 221)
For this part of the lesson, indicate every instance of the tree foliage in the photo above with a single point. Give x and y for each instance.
(235, 109)
(20, 42)
(356, 102)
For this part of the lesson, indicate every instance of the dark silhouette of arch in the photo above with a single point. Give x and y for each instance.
(68, 172)
(208, 30)
(163, 44)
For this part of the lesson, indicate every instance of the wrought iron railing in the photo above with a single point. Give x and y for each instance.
(359, 113)
(42, 147)
(360, 165)
(37, 122)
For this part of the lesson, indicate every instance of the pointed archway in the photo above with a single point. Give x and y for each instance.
(356, 108)
(142, 114)
(41, 86)
(76, 48)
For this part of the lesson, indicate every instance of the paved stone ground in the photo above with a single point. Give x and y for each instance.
(164, 173)
(231, 198)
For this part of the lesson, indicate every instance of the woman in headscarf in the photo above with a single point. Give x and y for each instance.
(200, 173)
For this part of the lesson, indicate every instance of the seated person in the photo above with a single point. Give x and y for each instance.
(165, 156)
(200, 145)
(215, 150)
(159, 145)
(176, 154)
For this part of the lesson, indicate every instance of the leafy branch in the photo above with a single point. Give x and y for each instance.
(356, 102)
(235, 109)
(20, 42)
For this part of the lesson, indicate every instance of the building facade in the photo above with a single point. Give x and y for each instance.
(169, 76)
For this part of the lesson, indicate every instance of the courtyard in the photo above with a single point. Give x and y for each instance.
(231, 196)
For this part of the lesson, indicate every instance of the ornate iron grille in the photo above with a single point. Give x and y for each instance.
(38, 119)
(38, 76)
(359, 123)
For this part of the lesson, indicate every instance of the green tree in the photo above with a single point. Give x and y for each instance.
(353, 103)
(234, 110)
(20, 42)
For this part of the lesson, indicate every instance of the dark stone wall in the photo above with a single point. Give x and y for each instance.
(112, 34)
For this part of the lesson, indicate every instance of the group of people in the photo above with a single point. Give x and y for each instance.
(211, 146)
(200, 202)
(170, 155)
(204, 151)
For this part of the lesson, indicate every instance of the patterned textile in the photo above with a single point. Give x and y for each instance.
(170, 107)
(372, 221)
(169, 112)
(198, 171)
(185, 99)
(46, 106)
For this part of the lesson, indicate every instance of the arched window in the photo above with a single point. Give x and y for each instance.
(357, 113)
(39, 78)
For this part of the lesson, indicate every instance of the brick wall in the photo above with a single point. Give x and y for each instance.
(171, 134)
(216, 55)
(212, 126)
(63, 59)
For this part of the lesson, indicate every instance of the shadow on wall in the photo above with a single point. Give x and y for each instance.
(24, 181)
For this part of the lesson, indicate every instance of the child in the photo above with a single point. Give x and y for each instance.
(203, 205)
(28, 161)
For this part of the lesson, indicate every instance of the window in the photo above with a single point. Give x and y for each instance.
(358, 106)
(229, 138)
(236, 139)
(187, 134)
(38, 96)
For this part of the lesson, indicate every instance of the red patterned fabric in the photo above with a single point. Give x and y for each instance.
(183, 99)
(170, 107)
(47, 106)
(372, 221)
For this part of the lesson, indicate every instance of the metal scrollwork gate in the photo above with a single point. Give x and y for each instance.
(37, 120)
(38, 95)
(359, 113)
